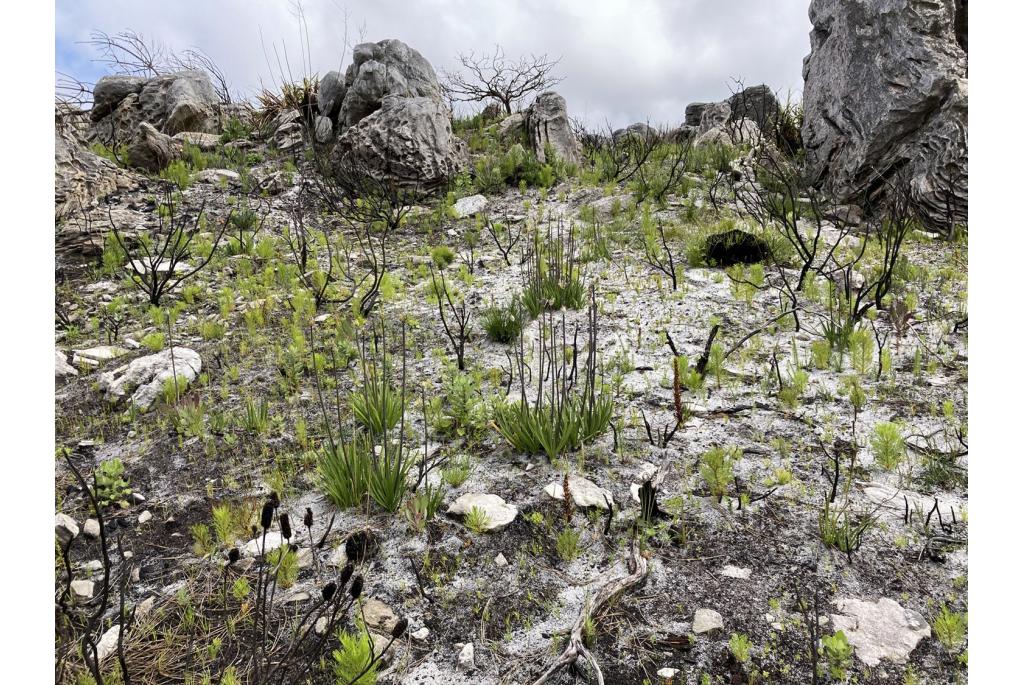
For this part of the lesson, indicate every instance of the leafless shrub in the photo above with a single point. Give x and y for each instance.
(495, 76)
(156, 264)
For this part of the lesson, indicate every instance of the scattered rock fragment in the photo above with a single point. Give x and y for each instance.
(584, 493)
(706, 620)
(146, 375)
(730, 571)
(378, 615)
(467, 661)
(83, 590)
(91, 528)
(61, 367)
(880, 630)
(498, 513)
(65, 528)
(469, 206)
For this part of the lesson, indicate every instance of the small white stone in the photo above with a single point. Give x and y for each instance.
(880, 630)
(91, 528)
(667, 673)
(706, 620)
(584, 493)
(145, 517)
(65, 528)
(321, 625)
(422, 634)
(735, 572)
(500, 561)
(468, 206)
(466, 658)
(82, 589)
(145, 606)
(108, 643)
(254, 546)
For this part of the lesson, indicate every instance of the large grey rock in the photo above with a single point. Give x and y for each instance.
(109, 91)
(185, 101)
(81, 177)
(378, 70)
(880, 630)
(639, 130)
(324, 130)
(207, 142)
(714, 115)
(756, 103)
(547, 124)
(330, 95)
(693, 113)
(730, 133)
(409, 139)
(144, 377)
(885, 89)
(152, 150)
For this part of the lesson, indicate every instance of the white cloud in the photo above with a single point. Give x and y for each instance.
(622, 61)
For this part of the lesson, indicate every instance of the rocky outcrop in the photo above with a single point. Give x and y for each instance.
(172, 103)
(758, 104)
(185, 101)
(81, 177)
(731, 119)
(378, 70)
(110, 91)
(639, 130)
(392, 121)
(409, 140)
(693, 113)
(547, 125)
(330, 94)
(152, 150)
(885, 92)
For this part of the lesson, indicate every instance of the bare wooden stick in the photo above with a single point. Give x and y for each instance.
(575, 649)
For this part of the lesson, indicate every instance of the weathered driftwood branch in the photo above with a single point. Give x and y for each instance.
(637, 566)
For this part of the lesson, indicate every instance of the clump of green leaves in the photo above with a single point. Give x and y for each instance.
(504, 323)
(111, 487)
(950, 628)
(456, 471)
(888, 445)
(739, 647)
(377, 405)
(354, 656)
(716, 468)
(344, 471)
(442, 255)
(477, 520)
(286, 562)
(423, 506)
(838, 653)
(567, 544)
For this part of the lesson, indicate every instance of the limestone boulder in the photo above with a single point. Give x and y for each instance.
(885, 91)
(379, 70)
(547, 126)
(409, 140)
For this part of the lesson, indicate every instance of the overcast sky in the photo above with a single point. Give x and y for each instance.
(623, 61)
